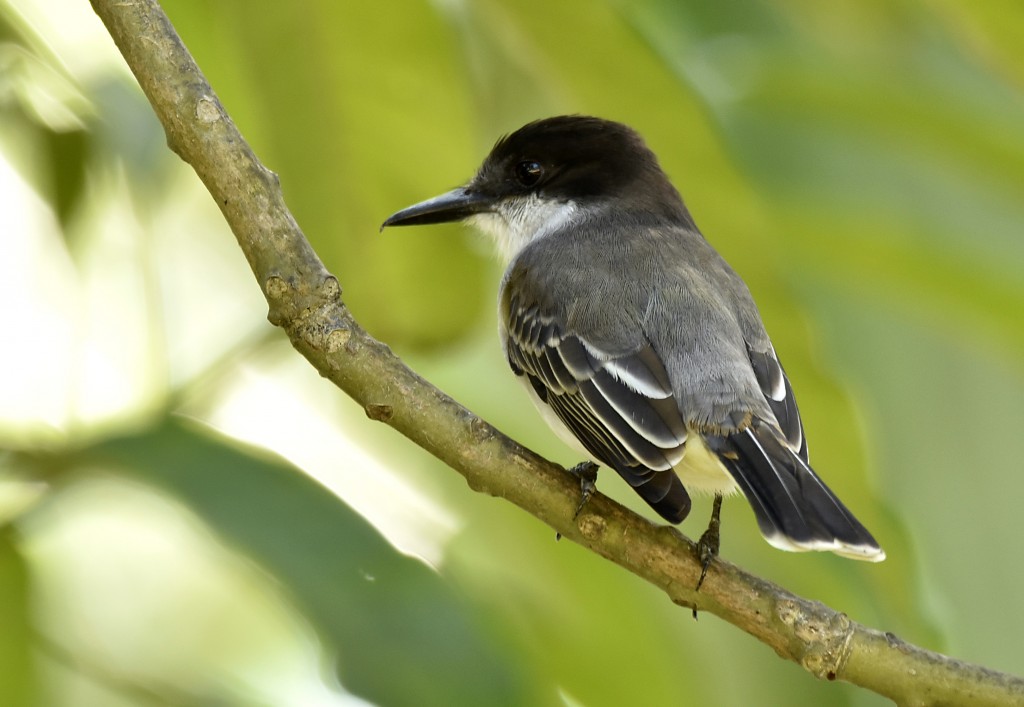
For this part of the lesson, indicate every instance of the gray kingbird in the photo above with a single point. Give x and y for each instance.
(637, 342)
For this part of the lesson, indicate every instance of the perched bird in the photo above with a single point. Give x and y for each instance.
(638, 343)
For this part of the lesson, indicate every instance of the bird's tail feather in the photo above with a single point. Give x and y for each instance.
(795, 510)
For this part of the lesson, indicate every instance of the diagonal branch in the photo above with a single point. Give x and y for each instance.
(305, 300)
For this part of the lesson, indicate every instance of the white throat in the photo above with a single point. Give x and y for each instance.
(515, 223)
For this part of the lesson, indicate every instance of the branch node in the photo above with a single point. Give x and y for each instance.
(897, 643)
(330, 289)
(685, 603)
(480, 429)
(591, 526)
(338, 339)
(380, 413)
(208, 110)
(825, 637)
(276, 288)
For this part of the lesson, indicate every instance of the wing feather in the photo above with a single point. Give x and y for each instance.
(778, 392)
(619, 406)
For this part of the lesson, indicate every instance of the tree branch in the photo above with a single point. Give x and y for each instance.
(305, 300)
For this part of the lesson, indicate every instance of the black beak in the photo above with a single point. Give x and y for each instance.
(451, 206)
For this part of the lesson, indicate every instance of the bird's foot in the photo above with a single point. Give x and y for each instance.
(708, 545)
(586, 472)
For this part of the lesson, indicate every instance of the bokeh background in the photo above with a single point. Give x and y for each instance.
(189, 515)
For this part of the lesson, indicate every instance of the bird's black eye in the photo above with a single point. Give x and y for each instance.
(529, 172)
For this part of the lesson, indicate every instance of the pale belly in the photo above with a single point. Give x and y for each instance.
(700, 469)
(702, 472)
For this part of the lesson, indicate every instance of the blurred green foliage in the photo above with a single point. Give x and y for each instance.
(861, 164)
(367, 599)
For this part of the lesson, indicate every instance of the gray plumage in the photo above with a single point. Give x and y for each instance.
(635, 338)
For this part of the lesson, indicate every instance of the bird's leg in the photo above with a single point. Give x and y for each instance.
(586, 472)
(707, 546)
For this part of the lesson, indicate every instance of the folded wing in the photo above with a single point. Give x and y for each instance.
(619, 406)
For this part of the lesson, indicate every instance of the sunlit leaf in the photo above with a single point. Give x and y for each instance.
(401, 634)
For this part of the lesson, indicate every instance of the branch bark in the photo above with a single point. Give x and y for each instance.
(305, 300)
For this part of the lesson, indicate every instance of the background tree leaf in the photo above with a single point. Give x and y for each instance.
(401, 634)
(18, 685)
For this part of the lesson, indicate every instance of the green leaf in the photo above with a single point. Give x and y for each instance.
(17, 666)
(402, 635)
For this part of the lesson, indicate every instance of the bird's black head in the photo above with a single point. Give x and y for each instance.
(570, 159)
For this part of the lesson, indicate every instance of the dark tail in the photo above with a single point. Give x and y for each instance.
(795, 510)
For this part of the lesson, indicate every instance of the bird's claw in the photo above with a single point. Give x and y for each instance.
(586, 472)
(707, 549)
(708, 544)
